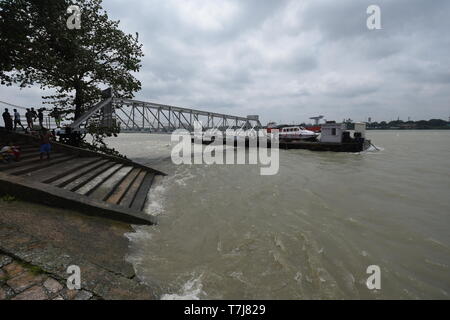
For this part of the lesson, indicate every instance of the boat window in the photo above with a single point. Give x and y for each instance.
(333, 131)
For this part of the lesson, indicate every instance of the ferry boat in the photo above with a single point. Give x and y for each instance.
(334, 137)
(297, 133)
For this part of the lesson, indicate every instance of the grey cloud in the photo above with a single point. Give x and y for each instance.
(288, 60)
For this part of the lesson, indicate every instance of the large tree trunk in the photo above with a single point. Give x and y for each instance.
(78, 101)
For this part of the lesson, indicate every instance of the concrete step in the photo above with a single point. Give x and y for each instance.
(8, 166)
(65, 180)
(29, 155)
(129, 196)
(28, 148)
(108, 186)
(88, 176)
(79, 178)
(60, 170)
(123, 187)
(142, 193)
(22, 167)
(13, 140)
(43, 164)
(94, 183)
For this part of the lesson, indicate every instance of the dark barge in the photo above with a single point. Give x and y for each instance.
(334, 138)
(356, 145)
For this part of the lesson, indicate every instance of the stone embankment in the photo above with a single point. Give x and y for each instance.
(22, 281)
(38, 244)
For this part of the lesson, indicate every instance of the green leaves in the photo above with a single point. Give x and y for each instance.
(37, 48)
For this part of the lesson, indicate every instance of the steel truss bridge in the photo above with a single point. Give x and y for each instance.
(140, 116)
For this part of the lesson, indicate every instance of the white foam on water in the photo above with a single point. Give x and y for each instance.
(372, 149)
(157, 193)
(138, 234)
(191, 290)
(155, 203)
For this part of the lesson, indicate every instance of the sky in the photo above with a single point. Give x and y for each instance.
(288, 60)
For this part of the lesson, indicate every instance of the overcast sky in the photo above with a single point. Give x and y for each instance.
(289, 60)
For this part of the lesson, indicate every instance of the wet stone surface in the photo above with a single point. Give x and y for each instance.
(38, 243)
(4, 260)
(20, 281)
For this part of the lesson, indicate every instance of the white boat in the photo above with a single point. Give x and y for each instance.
(297, 133)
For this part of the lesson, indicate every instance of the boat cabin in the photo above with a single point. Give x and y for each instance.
(332, 132)
(337, 133)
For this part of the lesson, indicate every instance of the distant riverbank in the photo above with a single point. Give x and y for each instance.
(395, 128)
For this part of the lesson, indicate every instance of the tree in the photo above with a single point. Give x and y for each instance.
(36, 47)
(437, 123)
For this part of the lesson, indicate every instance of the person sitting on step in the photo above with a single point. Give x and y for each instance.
(10, 152)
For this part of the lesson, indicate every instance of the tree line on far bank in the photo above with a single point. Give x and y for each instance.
(421, 124)
(398, 124)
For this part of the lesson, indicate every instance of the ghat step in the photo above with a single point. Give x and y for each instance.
(92, 179)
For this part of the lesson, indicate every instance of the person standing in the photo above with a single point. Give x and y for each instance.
(41, 117)
(7, 120)
(29, 117)
(17, 120)
(57, 115)
(46, 147)
(34, 114)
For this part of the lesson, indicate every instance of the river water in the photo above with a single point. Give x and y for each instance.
(309, 232)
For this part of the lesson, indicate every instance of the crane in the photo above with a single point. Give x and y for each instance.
(316, 119)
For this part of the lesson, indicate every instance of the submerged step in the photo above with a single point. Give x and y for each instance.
(142, 193)
(98, 180)
(88, 176)
(65, 180)
(108, 186)
(123, 187)
(131, 193)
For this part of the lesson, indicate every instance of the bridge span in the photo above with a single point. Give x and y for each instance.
(154, 117)
(150, 117)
